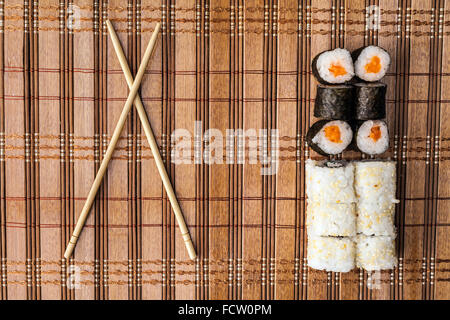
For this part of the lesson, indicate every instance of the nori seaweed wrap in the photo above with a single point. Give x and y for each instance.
(370, 100)
(329, 137)
(334, 102)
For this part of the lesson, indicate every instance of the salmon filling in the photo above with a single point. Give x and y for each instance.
(337, 70)
(374, 65)
(375, 133)
(333, 133)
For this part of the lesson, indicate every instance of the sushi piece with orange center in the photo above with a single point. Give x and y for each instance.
(329, 137)
(371, 63)
(372, 137)
(333, 66)
(333, 133)
(374, 65)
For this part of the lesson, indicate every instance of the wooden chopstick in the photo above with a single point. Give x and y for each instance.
(153, 145)
(109, 151)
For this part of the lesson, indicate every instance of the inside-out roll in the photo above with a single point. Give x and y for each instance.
(371, 63)
(330, 181)
(331, 253)
(372, 137)
(331, 219)
(375, 220)
(375, 253)
(375, 181)
(333, 66)
(329, 137)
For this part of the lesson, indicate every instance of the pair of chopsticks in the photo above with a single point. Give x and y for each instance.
(133, 97)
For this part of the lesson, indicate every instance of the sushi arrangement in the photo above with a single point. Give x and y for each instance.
(348, 101)
(375, 208)
(350, 214)
(350, 205)
(331, 215)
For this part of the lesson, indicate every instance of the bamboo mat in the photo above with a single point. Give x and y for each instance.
(229, 64)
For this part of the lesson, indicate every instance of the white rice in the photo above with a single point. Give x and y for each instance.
(375, 220)
(331, 219)
(336, 56)
(331, 185)
(330, 147)
(331, 254)
(364, 58)
(375, 182)
(375, 253)
(366, 144)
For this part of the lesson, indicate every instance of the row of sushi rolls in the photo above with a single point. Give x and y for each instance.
(350, 204)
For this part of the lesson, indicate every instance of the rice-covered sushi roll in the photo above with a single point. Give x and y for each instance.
(329, 181)
(371, 63)
(331, 254)
(331, 219)
(333, 66)
(375, 181)
(375, 253)
(375, 220)
(372, 137)
(334, 102)
(370, 103)
(329, 137)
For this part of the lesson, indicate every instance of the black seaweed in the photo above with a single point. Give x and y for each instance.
(334, 102)
(314, 70)
(370, 101)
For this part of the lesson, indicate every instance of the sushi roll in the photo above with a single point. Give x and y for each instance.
(334, 102)
(375, 220)
(370, 101)
(329, 137)
(375, 253)
(375, 182)
(371, 63)
(331, 254)
(333, 66)
(329, 181)
(331, 219)
(372, 137)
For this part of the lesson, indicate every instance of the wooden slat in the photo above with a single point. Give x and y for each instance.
(231, 65)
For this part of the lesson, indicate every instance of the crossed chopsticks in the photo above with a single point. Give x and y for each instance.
(133, 97)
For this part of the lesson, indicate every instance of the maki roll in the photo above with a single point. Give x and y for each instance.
(375, 253)
(375, 182)
(331, 254)
(372, 137)
(371, 63)
(333, 66)
(330, 181)
(370, 101)
(331, 219)
(375, 220)
(329, 137)
(334, 102)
